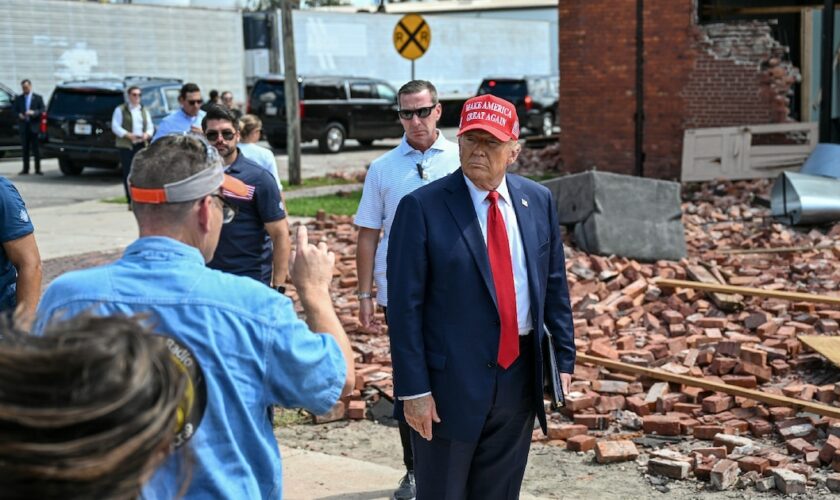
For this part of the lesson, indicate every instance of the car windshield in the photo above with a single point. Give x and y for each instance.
(506, 89)
(84, 103)
(153, 102)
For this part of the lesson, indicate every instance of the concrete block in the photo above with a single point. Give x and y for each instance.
(622, 215)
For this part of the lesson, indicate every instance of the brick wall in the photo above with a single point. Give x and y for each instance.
(695, 76)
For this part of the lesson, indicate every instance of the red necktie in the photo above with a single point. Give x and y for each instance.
(500, 264)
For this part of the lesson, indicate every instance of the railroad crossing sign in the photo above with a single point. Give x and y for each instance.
(412, 36)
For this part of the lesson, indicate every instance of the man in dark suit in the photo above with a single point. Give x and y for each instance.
(476, 268)
(29, 107)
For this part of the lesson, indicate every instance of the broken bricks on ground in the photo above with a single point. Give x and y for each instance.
(671, 430)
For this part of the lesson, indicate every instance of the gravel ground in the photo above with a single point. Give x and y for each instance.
(552, 472)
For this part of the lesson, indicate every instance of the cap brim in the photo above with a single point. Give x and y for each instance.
(234, 185)
(498, 134)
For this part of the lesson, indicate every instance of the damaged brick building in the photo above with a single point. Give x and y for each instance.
(694, 74)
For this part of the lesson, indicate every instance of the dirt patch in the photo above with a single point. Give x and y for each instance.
(552, 472)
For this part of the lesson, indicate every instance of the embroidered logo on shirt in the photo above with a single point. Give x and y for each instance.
(24, 216)
(248, 197)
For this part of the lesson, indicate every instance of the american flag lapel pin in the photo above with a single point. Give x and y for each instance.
(524, 203)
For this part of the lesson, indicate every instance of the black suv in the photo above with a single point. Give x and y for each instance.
(9, 134)
(79, 118)
(535, 98)
(332, 109)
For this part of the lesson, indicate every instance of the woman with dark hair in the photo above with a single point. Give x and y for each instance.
(92, 407)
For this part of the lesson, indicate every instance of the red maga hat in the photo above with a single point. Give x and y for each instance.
(491, 114)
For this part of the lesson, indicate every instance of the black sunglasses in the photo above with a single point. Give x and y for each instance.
(135, 94)
(194, 102)
(213, 135)
(229, 210)
(406, 114)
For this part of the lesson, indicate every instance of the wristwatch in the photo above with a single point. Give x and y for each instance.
(363, 295)
(280, 288)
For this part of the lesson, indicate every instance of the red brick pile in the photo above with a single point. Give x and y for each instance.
(621, 315)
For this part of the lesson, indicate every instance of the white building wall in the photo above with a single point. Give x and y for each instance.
(49, 41)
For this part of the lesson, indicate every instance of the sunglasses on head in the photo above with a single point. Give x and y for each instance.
(213, 135)
(229, 210)
(406, 114)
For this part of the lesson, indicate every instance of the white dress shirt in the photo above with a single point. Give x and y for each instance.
(517, 250)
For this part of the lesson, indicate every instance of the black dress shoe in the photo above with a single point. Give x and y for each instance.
(23, 172)
(39, 173)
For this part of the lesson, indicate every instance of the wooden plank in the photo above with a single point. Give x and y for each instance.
(829, 347)
(732, 390)
(805, 248)
(742, 290)
(724, 302)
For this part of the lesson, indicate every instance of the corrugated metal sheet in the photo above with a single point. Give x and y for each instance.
(49, 41)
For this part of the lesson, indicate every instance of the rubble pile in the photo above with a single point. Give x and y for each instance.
(620, 314)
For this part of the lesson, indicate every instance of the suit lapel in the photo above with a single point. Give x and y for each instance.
(460, 205)
(522, 206)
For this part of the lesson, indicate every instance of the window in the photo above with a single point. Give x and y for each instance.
(171, 95)
(85, 102)
(5, 98)
(361, 91)
(153, 102)
(323, 91)
(386, 92)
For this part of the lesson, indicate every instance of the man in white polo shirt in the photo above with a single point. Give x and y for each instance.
(423, 156)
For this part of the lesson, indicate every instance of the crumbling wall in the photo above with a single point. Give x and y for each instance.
(741, 76)
(694, 76)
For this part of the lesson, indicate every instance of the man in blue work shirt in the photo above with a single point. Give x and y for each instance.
(253, 349)
(256, 244)
(20, 262)
(186, 119)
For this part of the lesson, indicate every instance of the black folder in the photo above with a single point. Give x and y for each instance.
(551, 375)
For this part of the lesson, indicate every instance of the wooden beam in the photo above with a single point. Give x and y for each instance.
(805, 248)
(743, 290)
(732, 390)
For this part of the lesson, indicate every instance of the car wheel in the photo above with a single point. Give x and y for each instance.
(547, 124)
(276, 143)
(332, 140)
(67, 167)
(366, 142)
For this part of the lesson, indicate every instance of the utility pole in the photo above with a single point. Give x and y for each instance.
(827, 70)
(292, 93)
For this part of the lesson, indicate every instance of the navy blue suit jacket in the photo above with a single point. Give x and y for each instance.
(442, 315)
(36, 104)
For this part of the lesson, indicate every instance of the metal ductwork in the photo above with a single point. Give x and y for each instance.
(799, 198)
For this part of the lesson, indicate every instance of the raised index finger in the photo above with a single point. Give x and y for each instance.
(302, 237)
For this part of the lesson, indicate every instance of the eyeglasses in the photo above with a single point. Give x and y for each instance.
(406, 114)
(229, 210)
(213, 135)
(194, 102)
